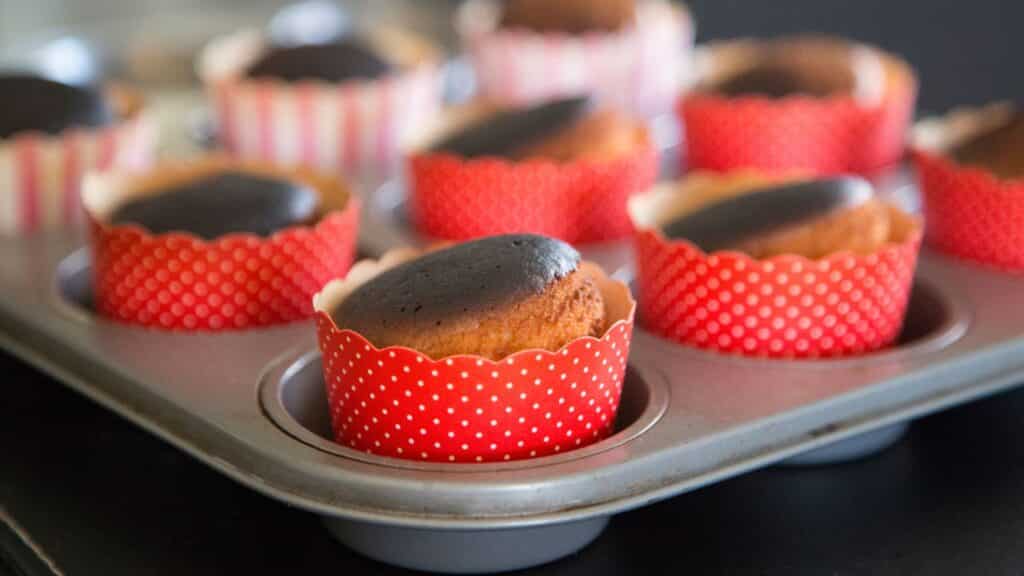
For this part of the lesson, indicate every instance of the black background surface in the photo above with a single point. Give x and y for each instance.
(102, 497)
(965, 52)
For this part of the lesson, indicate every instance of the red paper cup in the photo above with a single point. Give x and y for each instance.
(641, 68)
(782, 307)
(40, 174)
(581, 201)
(355, 126)
(177, 281)
(398, 402)
(861, 132)
(970, 212)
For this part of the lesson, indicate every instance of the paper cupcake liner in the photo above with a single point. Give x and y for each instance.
(41, 174)
(834, 135)
(970, 213)
(177, 281)
(355, 126)
(578, 202)
(782, 307)
(398, 402)
(640, 69)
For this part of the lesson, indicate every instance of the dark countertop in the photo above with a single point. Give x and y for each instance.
(102, 497)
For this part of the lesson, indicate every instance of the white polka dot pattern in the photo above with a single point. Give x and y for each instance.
(783, 307)
(397, 402)
(823, 136)
(580, 201)
(180, 282)
(972, 214)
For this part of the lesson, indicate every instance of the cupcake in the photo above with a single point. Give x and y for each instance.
(348, 105)
(216, 244)
(970, 167)
(630, 54)
(502, 348)
(50, 135)
(563, 169)
(775, 267)
(819, 105)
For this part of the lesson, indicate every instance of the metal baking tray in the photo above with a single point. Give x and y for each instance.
(251, 405)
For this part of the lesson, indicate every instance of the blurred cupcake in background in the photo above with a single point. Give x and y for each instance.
(564, 168)
(970, 167)
(633, 54)
(779, 267)
(346, 103)
(51, 134)
(817, 104)
(214, 244)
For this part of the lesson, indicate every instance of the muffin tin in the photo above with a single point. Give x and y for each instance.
(252, 405)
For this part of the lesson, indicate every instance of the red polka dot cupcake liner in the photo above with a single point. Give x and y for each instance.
(970, 212)
(640, 68)
(41, 174)
(347, 127)
(782, 307)
(857, 133)
(398, 402)
(579, 202)
(178, 281)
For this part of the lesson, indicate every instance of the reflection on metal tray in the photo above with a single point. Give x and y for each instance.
(250, 405)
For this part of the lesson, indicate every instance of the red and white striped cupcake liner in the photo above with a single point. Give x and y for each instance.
(41, 174)
(640, 69)
(350, 127)
(787, 306)
(399, 402)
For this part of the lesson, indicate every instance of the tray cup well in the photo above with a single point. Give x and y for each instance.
(932, 322)
(295, 398)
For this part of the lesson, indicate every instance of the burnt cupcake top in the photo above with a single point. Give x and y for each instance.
(559, 130)
(730, 222)
(31, 103)
(810, 66)
(221, 203)
(569, 16)
(777, 80)
(999, 149)
(350, 58)
(508, 132)
(457, 282)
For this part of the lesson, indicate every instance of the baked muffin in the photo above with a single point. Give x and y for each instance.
(51, 135)
(571, 16)
(215, 244)
(748, 264)
(998, 149)
(348, 105)
(817, 105)
(561, 130)
(563, 169)
(497, 349)
(490, 298)
(970, 169)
